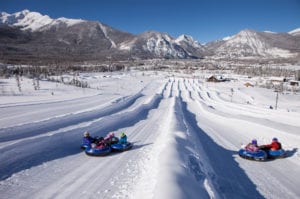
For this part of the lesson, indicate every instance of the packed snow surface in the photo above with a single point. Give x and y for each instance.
(186, 134)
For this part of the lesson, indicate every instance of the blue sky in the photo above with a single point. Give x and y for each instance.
(204, 20)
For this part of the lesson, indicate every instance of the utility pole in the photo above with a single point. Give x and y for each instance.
(277, 90)
(232, 91)
(276, 100)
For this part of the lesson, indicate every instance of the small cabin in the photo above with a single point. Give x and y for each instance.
(213, 79)
(294, 83)
(247, 84)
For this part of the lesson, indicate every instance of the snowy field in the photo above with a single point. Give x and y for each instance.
(186, 134)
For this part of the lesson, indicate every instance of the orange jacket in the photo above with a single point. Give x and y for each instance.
(274, 145)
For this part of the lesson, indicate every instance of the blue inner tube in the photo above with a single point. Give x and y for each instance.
(253, 155)
(85, 146)
(276, 154)
(122, 147)
(98, 152)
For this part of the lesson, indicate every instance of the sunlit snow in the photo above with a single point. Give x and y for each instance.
(186, 134)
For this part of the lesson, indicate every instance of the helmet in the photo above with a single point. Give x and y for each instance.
(275, 139)
(122, 134)
(254, 141)
(111, 134)
(86, 134)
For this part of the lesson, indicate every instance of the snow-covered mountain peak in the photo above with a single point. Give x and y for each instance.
(267, 31)
(184, 38)
(157, 35)
(26, 19)
(246, 33)
(33, 21)
(249, 43)
(245, 37)
(189, 40)
(161, 44)
(295, 32)
(21, 14)
(69, 22)
(227, 38)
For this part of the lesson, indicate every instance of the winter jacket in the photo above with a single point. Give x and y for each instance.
(252, 147)
(101, 144)
(123, 140)
(88, 140)
(274, 146)
(109, 138)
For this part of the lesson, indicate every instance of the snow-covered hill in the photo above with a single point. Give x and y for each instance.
(186, 134)
(249, 44)
(295, 32)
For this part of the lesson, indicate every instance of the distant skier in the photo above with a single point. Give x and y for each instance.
(275, 145)
(252, 146)
(123, 138)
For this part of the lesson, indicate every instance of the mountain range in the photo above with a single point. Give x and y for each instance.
(30, 36)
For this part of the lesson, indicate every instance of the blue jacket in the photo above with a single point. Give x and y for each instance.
(88, 141)
(123, 140)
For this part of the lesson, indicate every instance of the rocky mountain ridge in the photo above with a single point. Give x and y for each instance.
(29, 35)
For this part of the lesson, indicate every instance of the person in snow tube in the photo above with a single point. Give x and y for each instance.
(252, 151)
(252, 146)
(111, 139)
(101, 143)
(275, 145)
(87, 139)
(123, 138)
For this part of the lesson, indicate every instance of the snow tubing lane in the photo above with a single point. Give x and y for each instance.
(121, 147)
(98, 152)
(253, 155)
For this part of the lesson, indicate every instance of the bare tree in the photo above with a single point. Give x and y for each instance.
(18, 83)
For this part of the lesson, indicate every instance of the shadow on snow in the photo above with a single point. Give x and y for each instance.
(290, 153)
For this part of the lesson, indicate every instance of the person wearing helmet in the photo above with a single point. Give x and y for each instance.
(252, 146)
(86, 134)
(275, 145)
(123, 138)
(87, 139)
